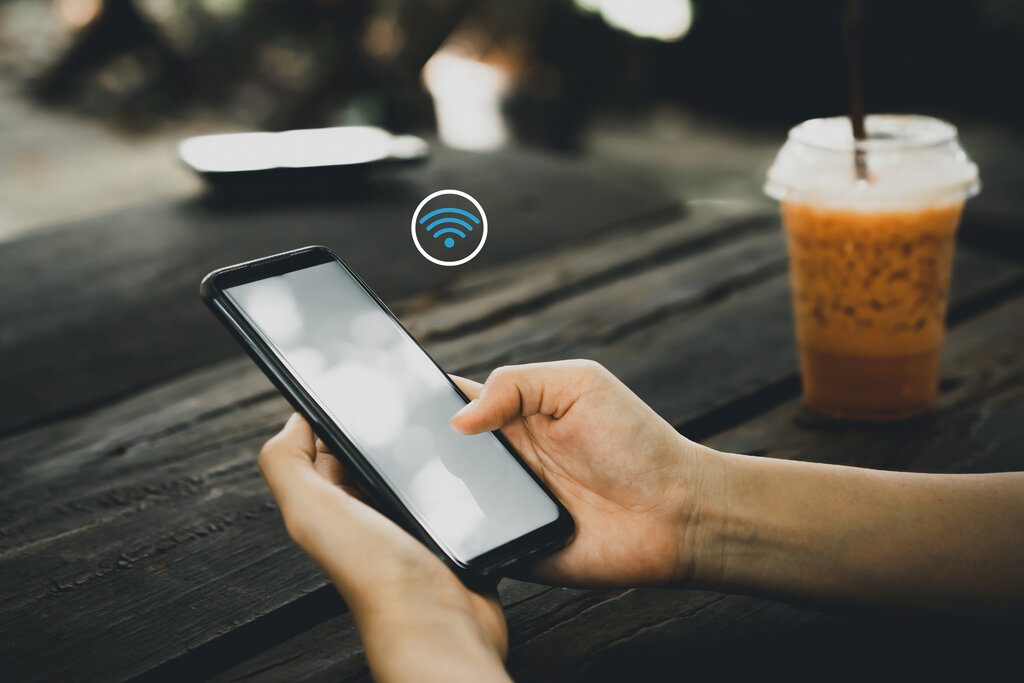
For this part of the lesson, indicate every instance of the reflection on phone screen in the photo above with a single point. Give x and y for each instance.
(394, 404)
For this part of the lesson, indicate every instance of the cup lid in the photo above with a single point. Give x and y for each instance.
(912, 161)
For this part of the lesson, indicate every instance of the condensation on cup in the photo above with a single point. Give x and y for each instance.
(871, 260)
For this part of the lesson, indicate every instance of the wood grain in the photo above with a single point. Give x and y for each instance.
(975, 427)
(98, 309)
(170, 470)
(149, 510)
(658, 634)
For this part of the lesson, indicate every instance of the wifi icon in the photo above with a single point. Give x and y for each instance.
(444, 220)
(439, 231)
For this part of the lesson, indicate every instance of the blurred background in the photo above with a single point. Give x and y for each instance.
(95, 94)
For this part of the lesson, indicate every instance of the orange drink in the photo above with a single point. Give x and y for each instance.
(870, 261)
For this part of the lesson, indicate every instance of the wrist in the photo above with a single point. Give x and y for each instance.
(697, 514)
(712, 521)
(764, 526)
(407, 644)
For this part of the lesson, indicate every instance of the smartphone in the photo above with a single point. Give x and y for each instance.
(372, 393)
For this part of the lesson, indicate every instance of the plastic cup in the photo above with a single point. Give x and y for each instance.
(871, 260)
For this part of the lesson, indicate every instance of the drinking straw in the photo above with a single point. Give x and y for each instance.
(852, 39)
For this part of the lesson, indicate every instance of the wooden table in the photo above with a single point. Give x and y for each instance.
(137, 539)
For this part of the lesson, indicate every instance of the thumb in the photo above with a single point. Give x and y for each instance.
(521, 391)
(468, 386)
(286, 462)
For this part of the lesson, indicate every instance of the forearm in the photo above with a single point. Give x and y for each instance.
(436, 647)
(866, 538)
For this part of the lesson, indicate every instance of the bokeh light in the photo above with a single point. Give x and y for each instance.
(665, 20)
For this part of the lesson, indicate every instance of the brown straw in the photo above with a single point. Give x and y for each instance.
(852, 41)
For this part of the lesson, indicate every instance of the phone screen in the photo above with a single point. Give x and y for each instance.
(393, 403)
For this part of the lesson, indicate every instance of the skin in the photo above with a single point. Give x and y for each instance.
(416, 619)
(651, 507)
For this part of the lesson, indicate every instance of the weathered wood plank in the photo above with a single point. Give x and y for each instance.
(476, 300)
(335, 652)
(131, 425)
(95, 481)
(689, 402)
(730, 338)
(108, 306)
(612, 311)
(737, 637)
(977, 426)
(654, 634)
(136, 470)
(124, 482)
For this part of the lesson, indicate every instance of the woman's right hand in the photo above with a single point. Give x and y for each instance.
(632, 483)
(653, 507)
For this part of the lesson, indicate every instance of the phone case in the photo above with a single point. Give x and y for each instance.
(538, 542)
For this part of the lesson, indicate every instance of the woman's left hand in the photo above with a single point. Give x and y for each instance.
(418, 621)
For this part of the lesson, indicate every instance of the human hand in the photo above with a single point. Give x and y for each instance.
(632, 483)
(653, 507)
(418, 621)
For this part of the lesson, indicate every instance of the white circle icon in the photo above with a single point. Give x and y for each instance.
(452, 223)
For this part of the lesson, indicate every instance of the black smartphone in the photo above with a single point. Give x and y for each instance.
(382, 404)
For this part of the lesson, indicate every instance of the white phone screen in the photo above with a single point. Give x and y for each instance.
(393, 403)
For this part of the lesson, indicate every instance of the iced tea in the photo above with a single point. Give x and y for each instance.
(869, 298)
(871, 258)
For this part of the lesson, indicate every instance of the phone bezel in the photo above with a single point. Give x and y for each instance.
(543, 539)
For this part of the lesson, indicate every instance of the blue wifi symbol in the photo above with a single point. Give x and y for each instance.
(449, 241)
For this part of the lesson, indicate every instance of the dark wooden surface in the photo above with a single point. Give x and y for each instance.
(114, 297)
(137, 539)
